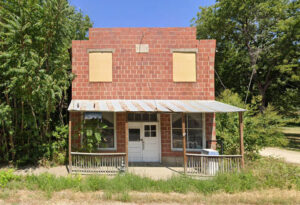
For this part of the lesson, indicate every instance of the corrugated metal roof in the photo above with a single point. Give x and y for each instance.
(192, 106)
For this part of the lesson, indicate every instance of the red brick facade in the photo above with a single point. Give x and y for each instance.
(144, 75)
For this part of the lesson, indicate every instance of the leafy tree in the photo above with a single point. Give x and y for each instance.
(257, 40)
(35, 65)
(261, 129)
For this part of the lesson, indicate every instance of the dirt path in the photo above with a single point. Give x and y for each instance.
(287, 155)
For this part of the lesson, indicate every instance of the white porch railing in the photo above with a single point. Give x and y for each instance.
(97, 163)
(210, 165)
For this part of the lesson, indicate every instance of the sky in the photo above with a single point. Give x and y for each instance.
(140, 13)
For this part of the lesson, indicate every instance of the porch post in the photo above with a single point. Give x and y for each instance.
(184, 142)
(70, 145)
(241, 137)
(126, 140)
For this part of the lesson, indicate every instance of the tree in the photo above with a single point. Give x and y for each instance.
(257, 40)
(35, 65)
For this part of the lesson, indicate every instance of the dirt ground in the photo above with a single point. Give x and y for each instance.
(287, 155)
(24, 197)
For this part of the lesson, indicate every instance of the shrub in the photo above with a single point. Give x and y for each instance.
(260, 129)
(7, 176)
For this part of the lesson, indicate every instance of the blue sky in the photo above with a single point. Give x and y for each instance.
(141, 13)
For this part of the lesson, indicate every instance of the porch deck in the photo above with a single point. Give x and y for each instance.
(113, 163)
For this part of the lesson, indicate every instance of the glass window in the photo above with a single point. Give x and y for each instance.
(194, 131)
(150, 130)
(134, 134)
(103, 128)
(142, 117)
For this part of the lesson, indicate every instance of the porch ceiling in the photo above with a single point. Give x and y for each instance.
(186, 106)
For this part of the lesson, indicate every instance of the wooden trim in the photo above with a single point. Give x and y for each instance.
(70, 145)
(241, 138)
(184, 142)
(126, 140)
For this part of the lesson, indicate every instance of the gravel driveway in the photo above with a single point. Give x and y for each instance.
(287, 155)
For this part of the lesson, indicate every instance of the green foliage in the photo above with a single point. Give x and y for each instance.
(259, 37)
(35, 75)
(264, 173)
(7, 176)
(60, 144)
(92, 131)
(260, 129)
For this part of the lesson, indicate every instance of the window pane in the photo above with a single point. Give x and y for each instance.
(194, 120)
(134, 134)
(153, 127)
(138, 117)
(153, 117)
(147, 133)
(107, 140)
(176, 121)
(145, 117)
(153, 133)
(108, 119)
(194, 139)
(177, 138)
(130, 117)
(147, 127)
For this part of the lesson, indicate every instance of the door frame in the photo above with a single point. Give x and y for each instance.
(141, 125)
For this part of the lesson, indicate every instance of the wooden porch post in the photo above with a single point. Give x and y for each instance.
(184, 142)
(126, 140)
(70, 145)
(241, 137)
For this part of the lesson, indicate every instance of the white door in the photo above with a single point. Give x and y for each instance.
(143, 142)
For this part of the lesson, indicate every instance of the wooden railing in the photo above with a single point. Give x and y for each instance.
(210, 165)
(97, 163)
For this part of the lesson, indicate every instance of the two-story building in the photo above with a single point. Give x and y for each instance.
(153, 88)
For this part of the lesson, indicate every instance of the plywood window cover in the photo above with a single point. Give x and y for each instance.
(96, 73)
(190, 74)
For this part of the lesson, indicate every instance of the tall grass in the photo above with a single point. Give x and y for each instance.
(260, 174)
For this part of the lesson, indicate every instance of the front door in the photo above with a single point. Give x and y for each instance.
(143, 142)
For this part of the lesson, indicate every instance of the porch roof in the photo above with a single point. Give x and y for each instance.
(186, 106)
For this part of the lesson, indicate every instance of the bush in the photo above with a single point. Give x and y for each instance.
(7, 176)
(260, 129)
(60, 145)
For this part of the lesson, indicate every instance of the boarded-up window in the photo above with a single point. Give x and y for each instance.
(184, 67)
(100, 67)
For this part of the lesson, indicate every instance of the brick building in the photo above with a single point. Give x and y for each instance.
(144, 84)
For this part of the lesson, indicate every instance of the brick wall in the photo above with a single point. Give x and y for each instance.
(143, 75)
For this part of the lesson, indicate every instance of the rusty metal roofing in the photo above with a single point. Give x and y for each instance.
(188, 106)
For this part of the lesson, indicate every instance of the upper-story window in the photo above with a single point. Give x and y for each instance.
(184, 66)
(100, 66)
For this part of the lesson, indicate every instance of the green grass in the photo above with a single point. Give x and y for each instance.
(259, 174)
